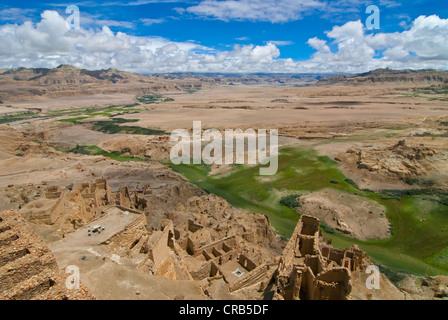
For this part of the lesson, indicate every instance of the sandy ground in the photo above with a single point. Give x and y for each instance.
(69, 136)
(357, 114)
(229, 107)
(259, 107)
(170, 118)
(67, 102)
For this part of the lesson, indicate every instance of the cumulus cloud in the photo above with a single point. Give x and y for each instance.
(346, 48)
(423, 45)
(49, 43)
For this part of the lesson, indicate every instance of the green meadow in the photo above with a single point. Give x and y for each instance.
(17, 117)
(79, 114)
(111, 126)
(96, 151)
(419, 220)
(114, 126)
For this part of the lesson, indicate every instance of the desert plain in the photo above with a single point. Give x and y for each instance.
(365, 155)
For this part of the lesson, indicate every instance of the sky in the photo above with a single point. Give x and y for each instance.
(225, 36)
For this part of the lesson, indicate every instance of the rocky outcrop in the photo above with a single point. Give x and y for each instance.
(400, 160)
(348, 214)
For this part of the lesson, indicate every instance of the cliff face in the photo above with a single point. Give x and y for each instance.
(389, 76)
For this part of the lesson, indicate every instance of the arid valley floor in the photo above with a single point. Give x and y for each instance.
(362, 180)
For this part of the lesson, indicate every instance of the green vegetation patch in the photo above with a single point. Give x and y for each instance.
(153, 98)
(73, 120)
(419, 220)
(427, 183)
(394, 276)
(96, 151)
(114, 126)
(17, 117)
(431, 91)
(428, 134)
(327, 228)
(299, 171)
(396, 128)
(94, 111)
(291, 201)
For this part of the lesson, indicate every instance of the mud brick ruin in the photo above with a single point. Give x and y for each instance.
(71, 209)
(28, 269)
(178, 254)
(311, 269)
(204, 239)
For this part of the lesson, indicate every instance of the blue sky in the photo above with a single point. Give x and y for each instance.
(226, 35)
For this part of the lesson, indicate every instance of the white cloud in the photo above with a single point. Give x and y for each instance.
(256, 10)
(424, 45)
(16, 14)
(150, 22)
(95, 20)
(281, 43)
(114, 3)
(348, 48)
(280, 11)
(49, 43)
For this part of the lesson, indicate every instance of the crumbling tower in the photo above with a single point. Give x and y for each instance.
(304, 273)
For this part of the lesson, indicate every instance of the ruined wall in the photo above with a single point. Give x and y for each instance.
(230, 243)
(333, 284)
(71, 211)
(28, 269)
(160, 251)
(253, 277)
(123, 197)
(310, 271)
(53, 192)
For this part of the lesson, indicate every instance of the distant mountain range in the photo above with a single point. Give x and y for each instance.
(68, 75)
(65, 74)
(20, 83)
(389, 76)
